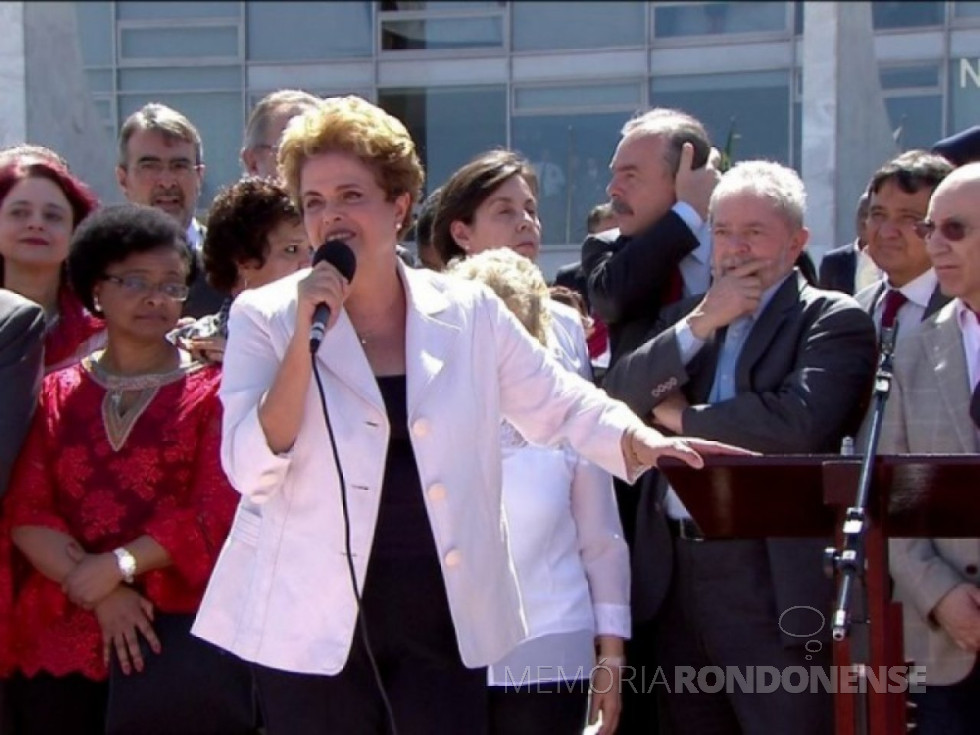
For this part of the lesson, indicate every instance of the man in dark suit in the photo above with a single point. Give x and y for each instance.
(161, 165)
(21, 353)
(601, 218)
(661, 182)
(844, 268)
(768, 362)
(899, 198)
(21, 361)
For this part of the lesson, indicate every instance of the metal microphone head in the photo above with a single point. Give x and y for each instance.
(339, 255)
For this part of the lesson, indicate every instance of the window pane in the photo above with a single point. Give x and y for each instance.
(158, 10)
(903, 77)
(916, 122)
(571, 154)
(709, 19)
(104, 108)
(966, 10)
(906, 14)
(95, 32)
(390, 5)
(964, 94)
(220, 121)
(177, 79)
(449, 126)
(99, 80)
(575, 25)
(621, 94)
(751, 107)
(173, 43)
(347, 30)
(452, 33)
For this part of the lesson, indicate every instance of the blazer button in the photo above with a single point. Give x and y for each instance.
(420, 428)
(437, 492)
(454, 558)
(971, 569)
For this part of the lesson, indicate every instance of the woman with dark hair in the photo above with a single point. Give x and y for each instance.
(41, 204)
(489, 207)
(255, 236)
(118, 507)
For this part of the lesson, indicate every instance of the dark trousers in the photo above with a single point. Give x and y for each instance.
(414, 643)
(557, 708)
(721, 612)
(44, 704)
(949, 710)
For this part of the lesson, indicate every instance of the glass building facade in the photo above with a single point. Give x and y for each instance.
(555, 81)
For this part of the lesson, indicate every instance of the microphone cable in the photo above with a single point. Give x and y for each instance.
(360, 622)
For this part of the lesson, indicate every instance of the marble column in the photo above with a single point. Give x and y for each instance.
(846, 133)
(45, 92)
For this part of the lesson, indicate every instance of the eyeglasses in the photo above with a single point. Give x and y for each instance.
(951, 230)
(138, 286)
(177, 167)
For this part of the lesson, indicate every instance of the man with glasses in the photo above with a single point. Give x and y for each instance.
(264, 129)
(899, 195)
(935, 409)
(161, 165)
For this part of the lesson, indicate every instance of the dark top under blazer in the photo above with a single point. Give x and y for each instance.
(802, 381)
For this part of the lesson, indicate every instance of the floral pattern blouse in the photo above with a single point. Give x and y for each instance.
(164, 480)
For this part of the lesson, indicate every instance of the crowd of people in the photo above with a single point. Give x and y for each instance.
(448, 517)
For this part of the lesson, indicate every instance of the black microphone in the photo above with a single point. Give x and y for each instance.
(341, 257)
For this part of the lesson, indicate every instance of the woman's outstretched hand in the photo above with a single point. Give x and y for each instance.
(645, 447)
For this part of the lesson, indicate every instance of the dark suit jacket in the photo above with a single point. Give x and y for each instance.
(802, 381)
(838, 268)
(21, 366)
(204, 299)
(627, 275)
(573, 276)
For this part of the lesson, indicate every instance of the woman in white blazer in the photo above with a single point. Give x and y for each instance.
(566, 540)
(417, 369)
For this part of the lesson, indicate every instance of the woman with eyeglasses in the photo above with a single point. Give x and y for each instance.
(118, 507)
(41, 204)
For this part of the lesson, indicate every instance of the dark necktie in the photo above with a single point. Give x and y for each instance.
(894, 300)
(674, 288)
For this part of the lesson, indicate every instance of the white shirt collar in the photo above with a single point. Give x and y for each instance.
(194, 238)
(919, 289)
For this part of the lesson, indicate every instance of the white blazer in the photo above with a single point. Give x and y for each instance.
(280, 594)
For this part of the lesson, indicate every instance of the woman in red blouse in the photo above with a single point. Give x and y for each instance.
(41, 204)
(118, 506)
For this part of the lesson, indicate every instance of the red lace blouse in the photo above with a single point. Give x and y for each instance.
(67, 341)
(165, 481)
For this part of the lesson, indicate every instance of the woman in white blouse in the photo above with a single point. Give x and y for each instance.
(567, 544)
(418, 369)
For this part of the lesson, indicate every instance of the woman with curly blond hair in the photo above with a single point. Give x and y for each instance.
(569, 554)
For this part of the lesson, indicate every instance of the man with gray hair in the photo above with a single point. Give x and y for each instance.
(663, 172)
(766, 361)
(265, 125)
(161, 164)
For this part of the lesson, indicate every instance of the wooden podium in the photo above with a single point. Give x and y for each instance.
(797, 496)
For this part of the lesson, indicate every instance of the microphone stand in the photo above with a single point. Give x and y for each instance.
(849, 562)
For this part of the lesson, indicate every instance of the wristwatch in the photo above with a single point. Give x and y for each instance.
(126, 563)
